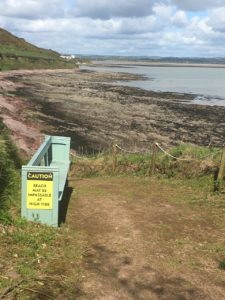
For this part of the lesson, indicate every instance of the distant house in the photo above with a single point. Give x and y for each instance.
(68, 56)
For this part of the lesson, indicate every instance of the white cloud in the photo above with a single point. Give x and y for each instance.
(136, 26)
(129, 27)
(32, 9)
(180, 19)
(163, 12)
(217, 19)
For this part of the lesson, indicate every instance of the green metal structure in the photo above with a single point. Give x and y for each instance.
(44, 179)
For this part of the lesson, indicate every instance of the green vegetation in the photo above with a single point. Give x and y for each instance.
(11, 44)
(16, 53)
(42, 266)
(195, 161)
(9, 175)
(222, 264)
(34, 63)
(33, 257)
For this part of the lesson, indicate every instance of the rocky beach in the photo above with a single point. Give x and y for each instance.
(95, 112)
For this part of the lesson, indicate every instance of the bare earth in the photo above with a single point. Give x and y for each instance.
(148, 240)
(92, 110)
(17, 113)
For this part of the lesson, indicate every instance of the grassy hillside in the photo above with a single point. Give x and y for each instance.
(16, 53)
(10, 44)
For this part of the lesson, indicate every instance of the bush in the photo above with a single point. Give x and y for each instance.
(9, 176)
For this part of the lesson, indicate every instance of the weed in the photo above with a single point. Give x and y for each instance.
(222, 264)
(5, 217)
(9, 175)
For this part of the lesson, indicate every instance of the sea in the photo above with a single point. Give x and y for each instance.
(207, 84)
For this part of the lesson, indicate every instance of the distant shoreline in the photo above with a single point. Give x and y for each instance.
(119, 63)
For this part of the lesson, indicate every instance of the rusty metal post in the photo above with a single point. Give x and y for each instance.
(220, 178)
(114, 157)
(152, 164)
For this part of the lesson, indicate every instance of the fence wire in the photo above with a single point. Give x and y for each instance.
(187, 159)
(128, 151)
(148, 151)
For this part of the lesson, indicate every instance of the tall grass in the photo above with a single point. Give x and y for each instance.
(35, 63)
(197, 161)
(9, 175)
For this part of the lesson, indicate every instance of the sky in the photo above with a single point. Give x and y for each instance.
(182, 28)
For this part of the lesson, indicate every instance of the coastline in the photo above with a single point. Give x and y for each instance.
(129, 63)
(83, 105)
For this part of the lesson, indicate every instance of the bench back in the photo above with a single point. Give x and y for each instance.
(54, 148)
(60, 149)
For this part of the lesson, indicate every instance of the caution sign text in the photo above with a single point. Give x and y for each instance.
(39, 190)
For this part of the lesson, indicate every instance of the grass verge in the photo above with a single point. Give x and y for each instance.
(9, 176)
(35, 260)
(195, 162)
(42, 266)
(40, 262)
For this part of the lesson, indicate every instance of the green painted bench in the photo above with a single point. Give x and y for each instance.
(44, 179)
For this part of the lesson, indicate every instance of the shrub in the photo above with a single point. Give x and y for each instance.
(9, 176)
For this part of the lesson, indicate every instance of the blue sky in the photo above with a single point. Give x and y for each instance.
(120, 27)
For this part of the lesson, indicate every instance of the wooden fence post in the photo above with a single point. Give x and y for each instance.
(114, 157)
(221, 172)
(151, 169)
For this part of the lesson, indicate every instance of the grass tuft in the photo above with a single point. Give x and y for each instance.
(222, 264)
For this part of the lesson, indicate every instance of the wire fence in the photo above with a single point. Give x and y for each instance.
(149, 151)
(187, 159)
(168, 154)
(154, 160)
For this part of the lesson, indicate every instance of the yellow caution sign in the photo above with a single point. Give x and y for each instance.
(39, 190)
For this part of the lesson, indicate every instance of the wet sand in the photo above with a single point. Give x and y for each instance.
(92, 110)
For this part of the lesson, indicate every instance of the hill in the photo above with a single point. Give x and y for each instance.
(16, 53)
(10, 44)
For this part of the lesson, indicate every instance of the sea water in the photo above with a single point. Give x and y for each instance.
(207, 84)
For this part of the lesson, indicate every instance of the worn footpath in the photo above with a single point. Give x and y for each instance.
(147, 239)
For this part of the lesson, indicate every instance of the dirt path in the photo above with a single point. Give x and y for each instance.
(145, 241)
